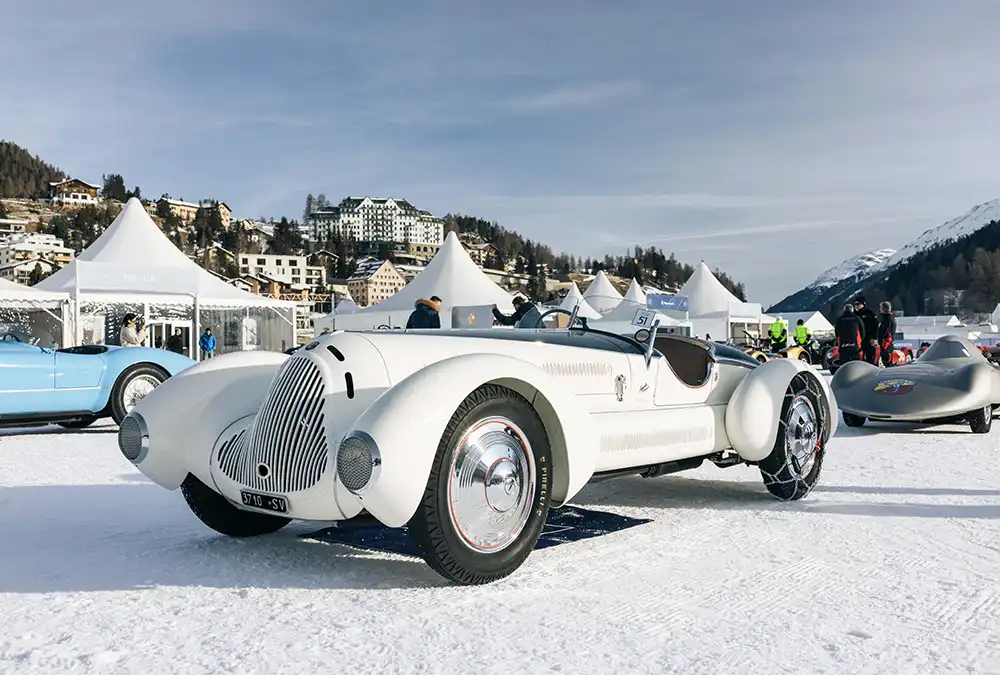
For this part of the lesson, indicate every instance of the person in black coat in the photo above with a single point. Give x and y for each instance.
(175, 342)
(425, 313)
(850, 332)
(886, 333)
(525, 315)
(870, 322)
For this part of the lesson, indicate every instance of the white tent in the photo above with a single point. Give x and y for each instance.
(573, 298)
(451, 275)
(134, 263)
(635, 293)
(601, 294)
(43, 314)
(814, 321)
(714, 310)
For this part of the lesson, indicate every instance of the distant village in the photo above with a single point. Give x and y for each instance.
(409, 235)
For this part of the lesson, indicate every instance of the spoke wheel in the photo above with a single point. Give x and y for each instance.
(132, 386)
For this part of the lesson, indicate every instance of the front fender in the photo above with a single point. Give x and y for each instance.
(755, 407)
(184, 416)
(407, 422)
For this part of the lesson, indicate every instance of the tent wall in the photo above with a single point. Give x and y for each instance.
(34, 322)
(248, 329)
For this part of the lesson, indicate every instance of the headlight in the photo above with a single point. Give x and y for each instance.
(133, 438)
(358, 461)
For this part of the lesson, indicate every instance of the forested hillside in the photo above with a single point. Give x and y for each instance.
(23, 174)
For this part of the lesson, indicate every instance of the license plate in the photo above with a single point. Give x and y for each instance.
(266, 502)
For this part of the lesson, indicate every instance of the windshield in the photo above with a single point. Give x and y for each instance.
(950, 347)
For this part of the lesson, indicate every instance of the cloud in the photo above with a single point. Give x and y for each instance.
(577, 96)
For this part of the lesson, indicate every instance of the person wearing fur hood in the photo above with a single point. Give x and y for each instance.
(425, 313)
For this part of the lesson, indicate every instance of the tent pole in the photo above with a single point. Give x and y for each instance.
(195, 331)
(77, 332)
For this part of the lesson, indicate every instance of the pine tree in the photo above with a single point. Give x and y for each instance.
(37, 274)
(310, 207)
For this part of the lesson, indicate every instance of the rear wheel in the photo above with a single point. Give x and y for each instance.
(487, 495)
(793, 467)
(215, 511)
(981, 421)
(804, 356)
(132, 386)
(761, 358)
(852, 420)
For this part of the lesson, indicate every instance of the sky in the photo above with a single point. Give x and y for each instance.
(770, 139)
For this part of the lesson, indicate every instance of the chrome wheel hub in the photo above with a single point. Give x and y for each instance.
(137, 389)
(801, 436)
(491, 483)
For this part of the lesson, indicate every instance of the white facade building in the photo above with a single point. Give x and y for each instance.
(10, 227)
(377, 219)
(29, 246)
(292, 270)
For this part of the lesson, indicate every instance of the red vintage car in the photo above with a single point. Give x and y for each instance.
(900, 356)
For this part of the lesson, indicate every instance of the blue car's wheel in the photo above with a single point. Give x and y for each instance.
(132, 386)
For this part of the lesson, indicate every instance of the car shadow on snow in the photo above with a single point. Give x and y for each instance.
(132, 536)
(55, 430)
(674, 492)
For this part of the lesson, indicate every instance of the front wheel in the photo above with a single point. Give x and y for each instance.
(215, 511)
(132, 386)
(981, 421)
(792, 469)
(487, 495)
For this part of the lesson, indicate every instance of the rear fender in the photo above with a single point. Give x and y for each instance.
(407, 422)
(755, 407)
(185, 415)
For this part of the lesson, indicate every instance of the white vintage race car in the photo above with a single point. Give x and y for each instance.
(468, 437)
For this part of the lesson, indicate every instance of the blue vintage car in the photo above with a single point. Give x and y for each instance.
(76, 386)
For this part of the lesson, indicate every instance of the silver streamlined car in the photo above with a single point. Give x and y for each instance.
(952, 380)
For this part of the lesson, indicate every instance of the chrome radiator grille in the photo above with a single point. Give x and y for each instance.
(284, 450)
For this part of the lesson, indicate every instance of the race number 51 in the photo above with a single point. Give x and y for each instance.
(643, 317)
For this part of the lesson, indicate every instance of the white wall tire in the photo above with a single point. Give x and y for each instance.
(792, 469)
(487, 495)
(132, 386)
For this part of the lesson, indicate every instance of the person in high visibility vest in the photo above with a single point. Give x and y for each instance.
(802, 336)
(779, 335)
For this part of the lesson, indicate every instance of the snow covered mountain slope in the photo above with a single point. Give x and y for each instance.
(839, 283)
(963, 226)
(852, 267)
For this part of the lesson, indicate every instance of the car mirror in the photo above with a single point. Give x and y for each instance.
(642, 335)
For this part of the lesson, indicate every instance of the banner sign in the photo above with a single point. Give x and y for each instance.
(139, 278)
(662, 301)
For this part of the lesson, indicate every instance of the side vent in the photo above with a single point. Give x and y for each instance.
(350, 385)
(336, 352)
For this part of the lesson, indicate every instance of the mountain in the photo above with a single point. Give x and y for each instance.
(24, 175)
(972, 220)
(819, 292)
(930, 274)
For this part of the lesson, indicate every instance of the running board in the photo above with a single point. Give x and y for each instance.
(41, 419)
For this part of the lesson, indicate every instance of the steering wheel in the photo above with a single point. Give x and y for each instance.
(10, 337)
(383, 327)
(559, 310)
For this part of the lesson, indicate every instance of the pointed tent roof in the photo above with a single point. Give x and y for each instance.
(601, 294)
(706, 294)
(635, 293)
(452, 276)
(573, 298)
(134, 256)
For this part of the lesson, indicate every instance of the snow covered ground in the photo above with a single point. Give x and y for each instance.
(889, 567)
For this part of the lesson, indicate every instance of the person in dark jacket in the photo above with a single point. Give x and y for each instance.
(850, 332)
(525, 315)
(886, 332)
(425, 313)
(175, 342)
(870, 322)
